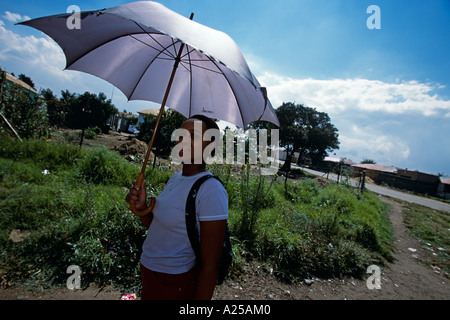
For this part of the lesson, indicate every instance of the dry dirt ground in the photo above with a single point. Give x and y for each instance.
(407, 278)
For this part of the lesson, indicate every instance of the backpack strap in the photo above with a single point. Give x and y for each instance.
(191, 221)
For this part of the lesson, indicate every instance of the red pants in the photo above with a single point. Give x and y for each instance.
(164, 286)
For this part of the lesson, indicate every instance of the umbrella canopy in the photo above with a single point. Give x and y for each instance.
(152, 53)
(134, 46)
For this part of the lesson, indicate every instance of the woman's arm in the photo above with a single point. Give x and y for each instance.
(211, 240)
(147, 220)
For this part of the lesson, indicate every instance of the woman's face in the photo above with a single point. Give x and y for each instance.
(196, 129)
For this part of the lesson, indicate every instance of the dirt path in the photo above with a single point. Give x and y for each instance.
(405, 279)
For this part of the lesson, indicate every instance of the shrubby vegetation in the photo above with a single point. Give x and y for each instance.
(76, 215)
(33, 115)
(326, 230)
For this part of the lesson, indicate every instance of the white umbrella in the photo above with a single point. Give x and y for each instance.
(154, 54)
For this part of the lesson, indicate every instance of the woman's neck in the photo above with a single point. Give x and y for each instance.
(191, 169)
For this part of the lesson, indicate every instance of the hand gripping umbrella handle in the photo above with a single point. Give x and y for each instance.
(141, 213)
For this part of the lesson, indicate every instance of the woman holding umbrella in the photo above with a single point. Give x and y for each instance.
(168, 262)
(137, 47)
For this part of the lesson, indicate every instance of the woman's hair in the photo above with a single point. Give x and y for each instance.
(210, 123)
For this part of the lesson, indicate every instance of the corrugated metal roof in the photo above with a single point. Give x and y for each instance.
(13, 79)
(337, 160)
(153, 112)
(376, 167)
(127, 114)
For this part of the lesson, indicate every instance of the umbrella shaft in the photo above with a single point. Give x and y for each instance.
(161, 111)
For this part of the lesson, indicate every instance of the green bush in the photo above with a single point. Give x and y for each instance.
(101, 166)
(325, 232)
(91, 132)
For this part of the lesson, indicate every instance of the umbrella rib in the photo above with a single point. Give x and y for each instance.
(168, 59)
(188, 54)
(186, 68)
(204, 68)
(204, 60)
(169, 54)
(114, 39)
(145, 70)
(199, 60)
(175, 49)
(229, 85)
(150, 35)
(95, 48)
(180, 61)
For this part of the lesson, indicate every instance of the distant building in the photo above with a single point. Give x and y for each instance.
(121, 121)
(373, 170)
(153, 112)
(405, 179)
(10, 86)
(283, 154)
(335, 164)
(444, 188)
(11, 80)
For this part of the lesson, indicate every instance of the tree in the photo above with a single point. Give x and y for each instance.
(170, 121)
(27, 80)
(55, 111)
(87, 110)
(369, 161)
(306, 131)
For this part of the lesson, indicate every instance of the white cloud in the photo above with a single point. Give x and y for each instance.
(369, 114)
(40, 55)
(14, 17)
(341, 95)
(386, 149)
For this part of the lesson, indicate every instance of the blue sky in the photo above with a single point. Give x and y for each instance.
(386, 90)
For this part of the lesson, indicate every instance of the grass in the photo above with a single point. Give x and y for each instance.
(432, 228)
(76, 215)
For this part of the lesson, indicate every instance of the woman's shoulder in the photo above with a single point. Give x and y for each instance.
(176, 176)
(213, 184)
(212, 201)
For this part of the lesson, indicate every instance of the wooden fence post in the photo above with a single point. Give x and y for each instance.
(363, 180)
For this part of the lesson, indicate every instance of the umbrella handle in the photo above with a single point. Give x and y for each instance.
(141, 213)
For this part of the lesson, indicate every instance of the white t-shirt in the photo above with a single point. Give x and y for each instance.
(167, 247)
